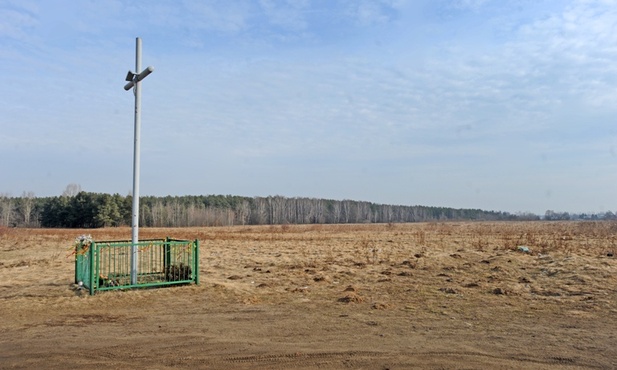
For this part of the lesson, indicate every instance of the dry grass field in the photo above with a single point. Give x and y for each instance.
(396, 296)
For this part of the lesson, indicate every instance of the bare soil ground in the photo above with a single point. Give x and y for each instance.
(402, 296)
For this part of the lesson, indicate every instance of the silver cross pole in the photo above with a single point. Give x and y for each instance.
(134, 82)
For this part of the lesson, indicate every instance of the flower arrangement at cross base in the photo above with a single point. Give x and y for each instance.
(82, 243)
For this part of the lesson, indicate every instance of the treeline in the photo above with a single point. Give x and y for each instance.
(551, 215)
(93, 210)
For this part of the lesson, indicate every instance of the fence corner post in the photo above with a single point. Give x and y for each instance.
(92, 267)
(77, 266)
(196, 263)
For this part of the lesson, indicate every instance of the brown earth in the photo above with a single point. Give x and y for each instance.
(397, 296)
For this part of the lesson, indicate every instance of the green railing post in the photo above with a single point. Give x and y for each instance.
(92, 254)
(78, 262)
(166, 256)
(196, 262)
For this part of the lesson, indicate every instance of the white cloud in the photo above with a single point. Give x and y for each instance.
(287, 14)
(470, 4)
(574, 51)
(16, 23)
(372, 12)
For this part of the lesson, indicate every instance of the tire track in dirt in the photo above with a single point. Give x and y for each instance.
(301, 360)
(550, 360)
(276, 361)
(299, 355)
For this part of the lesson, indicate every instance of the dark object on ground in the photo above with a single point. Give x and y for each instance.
(178, 272)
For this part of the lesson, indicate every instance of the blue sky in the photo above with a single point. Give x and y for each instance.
(491, 104)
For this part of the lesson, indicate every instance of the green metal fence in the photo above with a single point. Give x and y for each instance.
(107, 265)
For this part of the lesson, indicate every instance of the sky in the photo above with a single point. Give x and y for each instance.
(505, 105)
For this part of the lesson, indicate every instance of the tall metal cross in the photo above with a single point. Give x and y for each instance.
(134, 82)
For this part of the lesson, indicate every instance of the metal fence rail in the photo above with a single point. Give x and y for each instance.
(106, 265)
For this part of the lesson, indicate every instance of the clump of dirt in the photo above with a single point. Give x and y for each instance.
(499, 291)
(448, 290)
(351, 297)
(302, 289)
(321, 278)
(380, 306)
(410, 264)
(251, 300)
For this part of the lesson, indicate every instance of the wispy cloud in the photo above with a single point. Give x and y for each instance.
(289, 15)
(18, 20)
(370, 12)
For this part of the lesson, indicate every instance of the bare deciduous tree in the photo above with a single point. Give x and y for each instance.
(71, 190)
(27, 204)
(6, 209)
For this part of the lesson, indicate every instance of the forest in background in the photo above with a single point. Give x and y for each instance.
(80, 209)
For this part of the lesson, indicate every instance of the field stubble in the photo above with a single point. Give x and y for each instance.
(426, 296)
